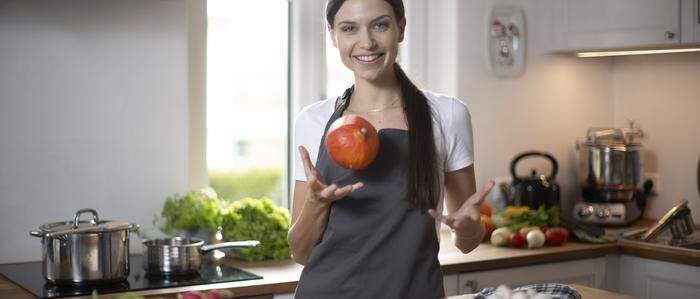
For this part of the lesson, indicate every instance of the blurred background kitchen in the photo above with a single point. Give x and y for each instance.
(116, 105)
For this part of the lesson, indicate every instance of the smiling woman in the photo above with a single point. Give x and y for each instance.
(372, 232)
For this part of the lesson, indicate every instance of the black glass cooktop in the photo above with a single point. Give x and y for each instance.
(29, 277)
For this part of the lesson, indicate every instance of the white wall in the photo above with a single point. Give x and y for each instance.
(93, 113)
(661, 92)
(551, 105)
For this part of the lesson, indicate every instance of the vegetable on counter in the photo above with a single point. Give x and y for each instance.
(500, 236)
(535, 238)
(556, 236)
(520, 227)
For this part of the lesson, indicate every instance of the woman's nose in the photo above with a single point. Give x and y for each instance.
(367, 40)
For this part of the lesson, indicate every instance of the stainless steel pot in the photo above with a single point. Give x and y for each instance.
(85, 252)
(181, 255)
(610, 162)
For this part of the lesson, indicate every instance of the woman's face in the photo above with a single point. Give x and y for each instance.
(367, 36)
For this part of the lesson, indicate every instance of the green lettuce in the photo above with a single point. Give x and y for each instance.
(258, 219)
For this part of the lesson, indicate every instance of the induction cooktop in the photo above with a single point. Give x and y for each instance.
(29, 277)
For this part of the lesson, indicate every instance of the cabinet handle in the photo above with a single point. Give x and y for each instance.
(669, 35)
(471, 285)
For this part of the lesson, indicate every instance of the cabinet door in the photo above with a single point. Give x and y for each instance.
(690, 21)
(646, 278)
(605, 24)
(588, 272)
(451, 284)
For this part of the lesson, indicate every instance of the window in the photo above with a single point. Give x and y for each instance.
(339, 77)
(247, 98)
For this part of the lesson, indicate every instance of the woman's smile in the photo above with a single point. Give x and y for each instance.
(368, 59)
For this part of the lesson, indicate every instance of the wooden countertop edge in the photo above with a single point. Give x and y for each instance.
(518, 261)
(674, 255)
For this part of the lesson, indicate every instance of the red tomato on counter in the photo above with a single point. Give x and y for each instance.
(556, 236)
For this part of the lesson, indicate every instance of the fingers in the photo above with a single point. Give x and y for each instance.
(309, 168)
(442, 218)
(342, 192)
(315, 184)
(332, 193)
(479, 197)
(329, 191)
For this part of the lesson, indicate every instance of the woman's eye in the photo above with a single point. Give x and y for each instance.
(382, 25)
(347, 28)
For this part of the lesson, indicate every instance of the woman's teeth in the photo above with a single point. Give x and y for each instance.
(368, 58)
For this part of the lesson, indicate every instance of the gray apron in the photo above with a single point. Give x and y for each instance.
(376, 244)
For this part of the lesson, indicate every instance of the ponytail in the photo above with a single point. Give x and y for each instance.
(422, 188)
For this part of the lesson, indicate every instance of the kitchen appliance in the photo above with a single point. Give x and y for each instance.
(610, 167)
(536, 190)
(212, 274)
(181, 255)
(85, 251)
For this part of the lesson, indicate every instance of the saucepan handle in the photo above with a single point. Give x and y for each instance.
(234, 244)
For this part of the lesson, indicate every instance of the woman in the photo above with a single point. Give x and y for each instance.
(372, 233)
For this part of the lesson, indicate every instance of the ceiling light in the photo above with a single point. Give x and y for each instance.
(634, 52)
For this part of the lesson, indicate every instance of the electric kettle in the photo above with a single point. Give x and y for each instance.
(537, 189)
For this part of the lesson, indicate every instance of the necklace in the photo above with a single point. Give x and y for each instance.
(378, 109)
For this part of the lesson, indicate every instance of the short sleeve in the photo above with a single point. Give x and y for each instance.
(459, 139)
(308, 131)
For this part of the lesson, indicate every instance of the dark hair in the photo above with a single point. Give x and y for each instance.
(422, 186)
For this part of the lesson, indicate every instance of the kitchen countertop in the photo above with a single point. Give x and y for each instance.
(282, 276)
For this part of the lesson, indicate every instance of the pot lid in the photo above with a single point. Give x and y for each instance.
(84, 226)
(614, 137)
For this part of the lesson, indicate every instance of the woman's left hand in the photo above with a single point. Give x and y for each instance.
(466, 220)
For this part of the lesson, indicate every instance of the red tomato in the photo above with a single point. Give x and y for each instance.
(516, 240)
(556, 236)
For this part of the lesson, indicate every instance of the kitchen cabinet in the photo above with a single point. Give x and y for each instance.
(646, 278)
(451, 283)
(588, 272)
(690, 21)
(604, 24)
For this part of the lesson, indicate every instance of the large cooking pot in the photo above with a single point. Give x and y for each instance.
(85, 251)
(610, 163)
(182, 255)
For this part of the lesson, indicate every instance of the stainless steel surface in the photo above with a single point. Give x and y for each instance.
(669, 35)
(677, 219)
(181, 255)
(84, 257)
(610, 162)
(665, 240)
(606, 213)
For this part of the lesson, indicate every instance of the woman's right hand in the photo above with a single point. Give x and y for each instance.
(319, 192)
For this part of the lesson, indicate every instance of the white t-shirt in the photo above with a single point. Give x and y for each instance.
(452, 130)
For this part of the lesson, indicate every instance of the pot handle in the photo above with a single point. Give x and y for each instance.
(234, 244)
(76, 219)
(555, 165)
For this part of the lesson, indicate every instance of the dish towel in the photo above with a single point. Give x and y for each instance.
(555, 290)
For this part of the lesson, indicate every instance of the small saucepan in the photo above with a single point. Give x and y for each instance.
(181, 255)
